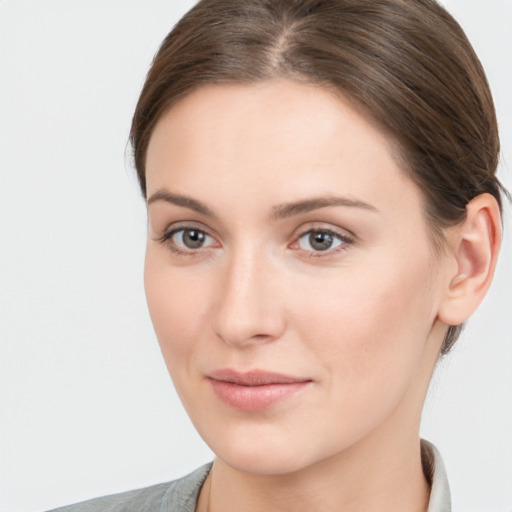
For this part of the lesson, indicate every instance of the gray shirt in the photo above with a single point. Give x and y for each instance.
(181, 495)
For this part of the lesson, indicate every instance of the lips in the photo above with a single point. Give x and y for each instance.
(255, 390)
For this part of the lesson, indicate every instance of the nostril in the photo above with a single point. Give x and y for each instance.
(244, 339)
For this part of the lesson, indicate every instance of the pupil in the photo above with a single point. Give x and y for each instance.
(193, 238)
(320, 241)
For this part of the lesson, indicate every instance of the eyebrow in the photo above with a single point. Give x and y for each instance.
(179, 200)
(279, 212)
(296, 208)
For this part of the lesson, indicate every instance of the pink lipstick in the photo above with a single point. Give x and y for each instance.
(255, 390)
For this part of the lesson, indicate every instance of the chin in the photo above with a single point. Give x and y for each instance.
(264, 462)
(264, 449)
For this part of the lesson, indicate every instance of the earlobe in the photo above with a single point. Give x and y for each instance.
(475, 247)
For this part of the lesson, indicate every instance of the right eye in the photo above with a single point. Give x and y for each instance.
(188, 239)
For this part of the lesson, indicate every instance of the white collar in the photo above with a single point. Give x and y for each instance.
(435, 472)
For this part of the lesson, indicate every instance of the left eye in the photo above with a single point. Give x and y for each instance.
(190, 239)
(320, 241)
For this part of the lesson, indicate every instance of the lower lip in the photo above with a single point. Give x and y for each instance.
(255, 398)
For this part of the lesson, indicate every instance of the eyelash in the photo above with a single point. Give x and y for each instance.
(345, 241)
(166, 239)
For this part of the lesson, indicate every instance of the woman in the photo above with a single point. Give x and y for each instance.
(323, 218)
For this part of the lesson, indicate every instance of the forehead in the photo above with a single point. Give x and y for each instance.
(277, 137)
(276, 105)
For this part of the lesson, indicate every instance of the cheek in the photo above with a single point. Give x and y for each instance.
(369, 327)
(175, 302)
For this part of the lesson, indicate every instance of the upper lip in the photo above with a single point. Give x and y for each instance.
(254, 377)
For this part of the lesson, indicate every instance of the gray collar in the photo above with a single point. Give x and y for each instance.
(182, 494)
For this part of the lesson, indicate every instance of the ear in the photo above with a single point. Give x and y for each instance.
(474, 244)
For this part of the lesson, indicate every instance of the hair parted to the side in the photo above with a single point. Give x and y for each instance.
(406, 62)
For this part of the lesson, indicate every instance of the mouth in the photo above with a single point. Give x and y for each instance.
(255, 390)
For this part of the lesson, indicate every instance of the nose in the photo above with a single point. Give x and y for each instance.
(249, 310)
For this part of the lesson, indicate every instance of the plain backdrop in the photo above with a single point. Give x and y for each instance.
(86, 405)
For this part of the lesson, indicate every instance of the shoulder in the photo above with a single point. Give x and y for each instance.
(176, 496)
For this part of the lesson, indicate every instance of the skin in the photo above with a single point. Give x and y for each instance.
(362, 321)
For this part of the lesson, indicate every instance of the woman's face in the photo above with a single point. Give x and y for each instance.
(289, 275)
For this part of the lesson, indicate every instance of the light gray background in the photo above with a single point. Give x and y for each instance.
(86, 406)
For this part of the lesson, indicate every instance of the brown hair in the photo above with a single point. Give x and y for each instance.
(407, 62)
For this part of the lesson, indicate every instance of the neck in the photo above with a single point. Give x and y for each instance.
(362, 478)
